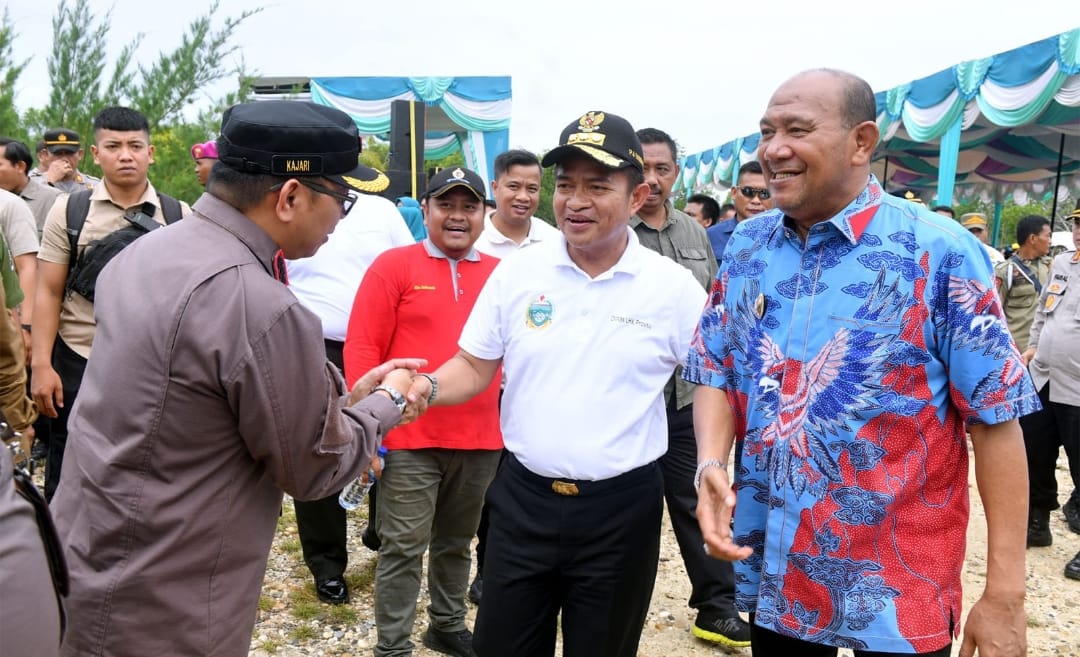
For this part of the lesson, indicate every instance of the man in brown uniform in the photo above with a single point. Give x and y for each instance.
(63, 331)
(209, 393)
(1020, 279)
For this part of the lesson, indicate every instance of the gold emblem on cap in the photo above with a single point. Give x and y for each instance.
(457, 174)
(379, 183)
(62, 137)
(590, 121)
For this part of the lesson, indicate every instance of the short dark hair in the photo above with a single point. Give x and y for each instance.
(945, 209)
(710, 209)
(655, 136)
(1029, 225)
(727, 207)
(753, 166)
(41, 146)
(239, 189)
(121, 119)
(513, 158)
(15, 151)
(858, 104)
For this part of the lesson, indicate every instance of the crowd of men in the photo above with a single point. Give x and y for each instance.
(820, 352)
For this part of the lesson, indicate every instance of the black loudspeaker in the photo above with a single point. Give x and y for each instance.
(406, 166)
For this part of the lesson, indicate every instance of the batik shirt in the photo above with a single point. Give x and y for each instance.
(852, 365)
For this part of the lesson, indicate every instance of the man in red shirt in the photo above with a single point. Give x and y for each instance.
(415, 299)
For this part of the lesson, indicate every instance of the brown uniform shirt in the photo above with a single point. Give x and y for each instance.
(103, 218)
(207, 395)
(40, 197)
(1018, 295)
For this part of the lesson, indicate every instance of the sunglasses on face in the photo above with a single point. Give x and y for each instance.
(346, 200)
(751, 192)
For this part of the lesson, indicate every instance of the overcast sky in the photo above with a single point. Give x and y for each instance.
(702, 70)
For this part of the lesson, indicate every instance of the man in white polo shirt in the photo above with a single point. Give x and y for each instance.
(516, 188)
(508, 228)
(589, 327)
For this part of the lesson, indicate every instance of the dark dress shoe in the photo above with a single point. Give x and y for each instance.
(332, 591)
(370, 539)
(1038, 530)
(1072, 514)
(1072, 569)
(476, 590)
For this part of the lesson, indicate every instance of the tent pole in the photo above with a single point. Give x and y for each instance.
(1057, 182)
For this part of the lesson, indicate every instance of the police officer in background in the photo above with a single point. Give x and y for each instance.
(1020, 278)
(65, 153)
(1054, 364)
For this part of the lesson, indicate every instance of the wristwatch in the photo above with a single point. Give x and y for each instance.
(434, 386)
(395, 396)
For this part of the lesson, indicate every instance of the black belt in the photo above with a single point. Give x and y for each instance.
(580, 487)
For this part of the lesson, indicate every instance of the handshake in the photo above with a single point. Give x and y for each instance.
(400, 375)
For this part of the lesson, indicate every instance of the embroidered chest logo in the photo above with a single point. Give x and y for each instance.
(538, 314)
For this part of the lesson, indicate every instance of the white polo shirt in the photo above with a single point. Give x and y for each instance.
(586, 359)
(326, 283)
(493, 243)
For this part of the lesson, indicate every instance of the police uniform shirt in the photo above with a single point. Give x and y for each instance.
(103, 218)
(586, 359)
(1055, 332)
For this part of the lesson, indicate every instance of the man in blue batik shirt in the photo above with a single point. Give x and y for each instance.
(850, 340)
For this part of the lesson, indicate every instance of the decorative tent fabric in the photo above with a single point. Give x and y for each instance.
(478, 107)
(991, 127)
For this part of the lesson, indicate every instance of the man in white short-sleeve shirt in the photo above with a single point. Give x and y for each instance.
(511, 225)
(589, 327)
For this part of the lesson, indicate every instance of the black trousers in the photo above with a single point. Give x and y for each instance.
(321, 523)
(712, 580)
(70, 366)
(766, 643)
(1055, 425)
(591, 556)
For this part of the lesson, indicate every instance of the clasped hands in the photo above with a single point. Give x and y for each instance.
(399, 374)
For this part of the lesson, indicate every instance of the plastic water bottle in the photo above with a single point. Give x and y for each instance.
(353, 495)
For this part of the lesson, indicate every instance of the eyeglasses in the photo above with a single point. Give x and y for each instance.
(750, 192)
(346, 200)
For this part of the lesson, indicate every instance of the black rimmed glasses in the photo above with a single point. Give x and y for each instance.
(751, 192)
(345, 199)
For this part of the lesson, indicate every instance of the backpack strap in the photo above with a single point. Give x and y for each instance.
(78, 206)
(170, 207)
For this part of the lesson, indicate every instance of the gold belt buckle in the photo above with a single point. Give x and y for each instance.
(564, 488)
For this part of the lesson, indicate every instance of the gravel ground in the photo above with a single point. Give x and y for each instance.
(292, 623)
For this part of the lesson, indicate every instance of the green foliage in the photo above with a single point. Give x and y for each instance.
(10, 70)
(167, 91)
(547, 190)
(302, 633)
(169, 85)
(1010, 216)
(266, 603)
(343, 615)
(376, 153)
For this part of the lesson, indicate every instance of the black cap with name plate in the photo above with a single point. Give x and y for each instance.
(296, 139)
